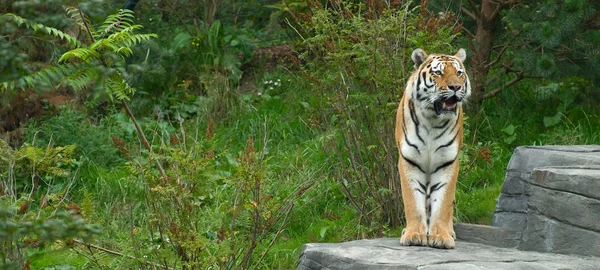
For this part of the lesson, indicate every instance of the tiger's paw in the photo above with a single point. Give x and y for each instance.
(413, 238)
(441, 240)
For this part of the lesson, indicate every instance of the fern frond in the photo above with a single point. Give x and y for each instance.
(116, 22)
(82, 78)
(104, 44)
(128, 39)
(124, 51)
(84, 54)
(49, 76)
(38, 27)
(118, 88)
(121, 42)
(80, 18)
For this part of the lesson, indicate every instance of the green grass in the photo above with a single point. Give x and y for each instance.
(57, 258)
(281, 127)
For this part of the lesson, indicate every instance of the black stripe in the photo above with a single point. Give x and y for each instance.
(419, 191)
(444, 165)
(436, 187)
(425, 81)
(409, 143)
(441, 134)
(404, 130)
(448, 143)
(415, 119)
(413, 115)
(412, 162)
(428, 213)
(443, 125)
(455, 124)
(422, 186)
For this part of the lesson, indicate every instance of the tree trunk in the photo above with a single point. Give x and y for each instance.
(483, 44)
(210, 9)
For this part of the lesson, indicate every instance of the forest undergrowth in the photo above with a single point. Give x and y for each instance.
(226, 144)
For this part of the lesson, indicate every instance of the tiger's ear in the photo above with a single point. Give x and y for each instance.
(418, 56)
(461, 54)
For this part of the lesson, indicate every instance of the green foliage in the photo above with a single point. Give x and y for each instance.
(72, 127)
(114, 37)
(358, 59)
(552, 39)
(256, 163)
(20, 233)
(37, 164)
(38, 27)
(24, 228)
(509, 134)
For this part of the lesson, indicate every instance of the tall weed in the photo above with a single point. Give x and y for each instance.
(357, 58)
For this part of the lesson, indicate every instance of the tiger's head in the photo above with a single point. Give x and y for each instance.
(441, 82)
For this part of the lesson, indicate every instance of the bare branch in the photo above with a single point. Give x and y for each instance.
(471, 35)
(495, 13)
(142, 136)
(112, 252)
(498, 57)
(476, 12)
(508, 84)
(469, 13)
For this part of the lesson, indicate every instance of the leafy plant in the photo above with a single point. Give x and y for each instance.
(25, 227)
(509, 134)
(357, 56)
(101, 61)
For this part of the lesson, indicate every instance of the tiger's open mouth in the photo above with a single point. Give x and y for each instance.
(446, 105)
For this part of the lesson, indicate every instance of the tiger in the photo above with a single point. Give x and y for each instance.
(429, 135)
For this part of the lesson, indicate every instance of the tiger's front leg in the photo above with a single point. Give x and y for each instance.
(413, 195)
(441, 192)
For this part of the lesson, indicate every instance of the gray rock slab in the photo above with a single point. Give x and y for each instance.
(527, 158)
(582, 180)
(515, 203)
(487, 235)
(513, 221)
(566, 207)
(387, 253)
(537, 165)
(545, 234)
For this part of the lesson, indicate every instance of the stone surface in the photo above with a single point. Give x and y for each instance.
(550, 202)
(582, 180)
(488, 235)
(551, 199)
(565, 207)
(527, 158)
(386, 253)
(547, 235)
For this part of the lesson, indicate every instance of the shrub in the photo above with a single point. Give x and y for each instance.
(34, 202)
(357, 57)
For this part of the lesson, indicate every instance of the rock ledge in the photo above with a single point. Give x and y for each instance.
(387, 253)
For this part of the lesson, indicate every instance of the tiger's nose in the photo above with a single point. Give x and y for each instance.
(454, 87)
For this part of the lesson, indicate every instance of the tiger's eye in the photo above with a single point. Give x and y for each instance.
(437, 72)
(459, 73)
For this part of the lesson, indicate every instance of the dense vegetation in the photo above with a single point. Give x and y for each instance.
(226, 134)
